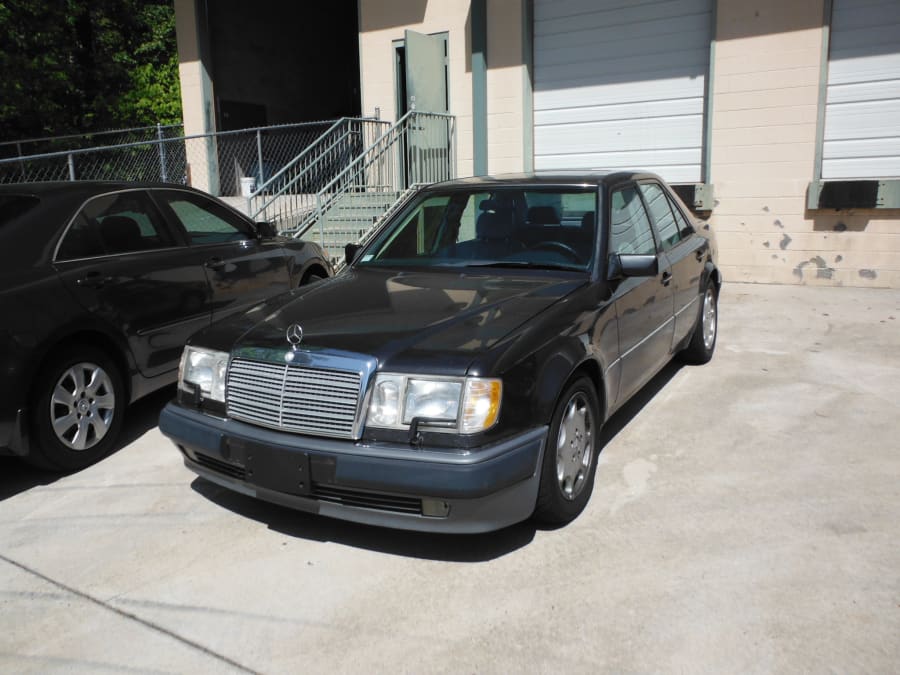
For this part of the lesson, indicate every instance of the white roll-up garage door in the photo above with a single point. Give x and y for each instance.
(619, 84)
(862, 112)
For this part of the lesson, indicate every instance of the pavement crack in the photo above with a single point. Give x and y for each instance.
(128, 615)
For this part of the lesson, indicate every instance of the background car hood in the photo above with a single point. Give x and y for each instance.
(434, 321)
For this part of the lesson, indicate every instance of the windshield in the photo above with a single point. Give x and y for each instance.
(547, 228)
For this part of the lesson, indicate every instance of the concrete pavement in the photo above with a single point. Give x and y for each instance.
(745, 518)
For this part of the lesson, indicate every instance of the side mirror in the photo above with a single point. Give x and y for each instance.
(266, 230)
(350, 251)
(622, 265)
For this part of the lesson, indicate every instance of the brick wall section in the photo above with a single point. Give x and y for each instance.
(765, 103)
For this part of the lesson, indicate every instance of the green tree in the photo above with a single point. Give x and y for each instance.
(77, 66)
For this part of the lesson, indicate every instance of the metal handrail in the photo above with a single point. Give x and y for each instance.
(385, 144)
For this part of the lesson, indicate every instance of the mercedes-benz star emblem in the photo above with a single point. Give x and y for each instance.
(294, 335)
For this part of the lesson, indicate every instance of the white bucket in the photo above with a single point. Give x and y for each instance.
(248, 185)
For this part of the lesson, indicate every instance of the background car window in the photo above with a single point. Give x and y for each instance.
(684, 226)
(630, 231)
(658, 203)
(125, 222)
(15, 206)
(206, 222)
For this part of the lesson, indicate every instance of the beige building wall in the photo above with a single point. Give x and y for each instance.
(196, 99)
(383, 21)
(506, 75)
(768, 58)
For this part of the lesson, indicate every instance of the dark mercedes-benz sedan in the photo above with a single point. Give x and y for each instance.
(101, 284)
(456, 375)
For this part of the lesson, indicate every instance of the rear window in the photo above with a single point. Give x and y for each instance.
(13, 207)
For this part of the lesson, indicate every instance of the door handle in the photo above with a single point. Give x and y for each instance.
(93, 280)
(214, 263)
(700, 255)
(666, 278)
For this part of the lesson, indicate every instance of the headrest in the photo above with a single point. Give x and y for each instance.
(587, 221)
(120, 234)
(494, 225)
(543, 215)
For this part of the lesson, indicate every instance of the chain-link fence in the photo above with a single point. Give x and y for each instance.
(49, 144)
(218, 163)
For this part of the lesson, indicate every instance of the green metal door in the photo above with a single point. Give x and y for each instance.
(426, 83)
(428, 144)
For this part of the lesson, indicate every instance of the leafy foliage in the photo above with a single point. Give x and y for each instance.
(77, 66)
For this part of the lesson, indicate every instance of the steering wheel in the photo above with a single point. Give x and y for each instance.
(559, 247)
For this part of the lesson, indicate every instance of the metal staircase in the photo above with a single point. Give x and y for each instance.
(418, 149)
(288, 195)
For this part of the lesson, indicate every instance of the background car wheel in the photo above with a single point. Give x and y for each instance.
(570, 458)
(77, 410)
(703, 342)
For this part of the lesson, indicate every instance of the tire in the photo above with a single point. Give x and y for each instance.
(311, 278)
(567, 478)
(703, 340)
(77, 410)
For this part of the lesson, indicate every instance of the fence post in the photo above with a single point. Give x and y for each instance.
(162, 154)
(71, 166)
(262, 177)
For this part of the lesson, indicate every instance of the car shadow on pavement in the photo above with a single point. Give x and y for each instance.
(17, 476)
(446, 547)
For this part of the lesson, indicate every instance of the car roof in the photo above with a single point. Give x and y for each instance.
(80, 188)
(574, 177)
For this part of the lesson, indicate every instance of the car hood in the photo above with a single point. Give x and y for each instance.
(415, 321)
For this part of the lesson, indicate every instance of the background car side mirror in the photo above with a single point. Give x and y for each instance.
(350, 251)
(622, 265)
(266, 230)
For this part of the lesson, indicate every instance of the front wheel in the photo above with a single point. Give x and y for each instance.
(77, 410)
(570, 458)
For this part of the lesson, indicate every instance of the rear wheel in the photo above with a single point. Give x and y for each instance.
(703, 341)
(570, 458)
(77, 410)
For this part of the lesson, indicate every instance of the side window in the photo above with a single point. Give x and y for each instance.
(205, 221)
(658, 203)
(685, 227)
(125, 222)
(630, 231)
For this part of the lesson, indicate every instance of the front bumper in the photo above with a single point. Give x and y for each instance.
(390, 485)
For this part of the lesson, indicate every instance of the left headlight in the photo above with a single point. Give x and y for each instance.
(203, 368)
(464, 405)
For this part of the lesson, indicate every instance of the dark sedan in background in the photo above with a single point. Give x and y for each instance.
(456, 376)
(100, 286)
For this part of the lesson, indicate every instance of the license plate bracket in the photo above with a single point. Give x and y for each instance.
(278, 469)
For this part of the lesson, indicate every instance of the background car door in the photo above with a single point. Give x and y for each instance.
(684, 251)
(242, 269)
(644, 305)
(122, 263)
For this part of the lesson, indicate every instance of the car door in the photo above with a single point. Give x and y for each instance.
(242, 268)
(685, 254)
(644, 305)
(122, 263)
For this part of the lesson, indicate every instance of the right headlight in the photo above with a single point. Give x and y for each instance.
(204, 369)
(465, 405)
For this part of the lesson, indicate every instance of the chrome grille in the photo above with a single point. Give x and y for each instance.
(317, 401)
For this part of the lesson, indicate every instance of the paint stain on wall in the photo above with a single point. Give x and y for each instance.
(838, 258)
(785, 242)
(868, 274)
(840, 227)
(822, 269)
(766, 244)
(778, 224)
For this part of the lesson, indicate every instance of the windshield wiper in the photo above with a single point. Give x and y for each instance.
(524, 264)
